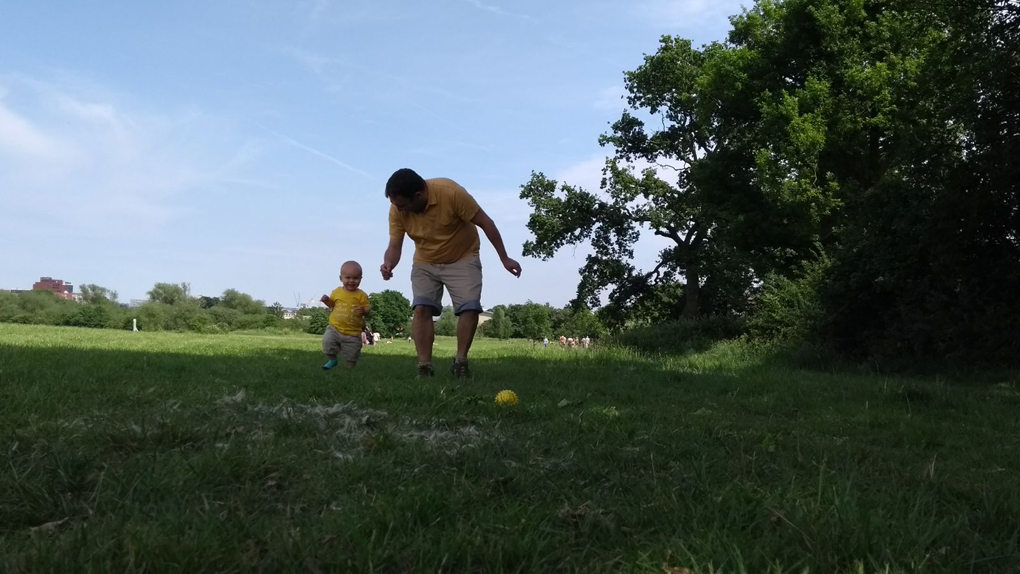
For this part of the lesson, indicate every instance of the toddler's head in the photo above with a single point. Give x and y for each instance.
(350, 275)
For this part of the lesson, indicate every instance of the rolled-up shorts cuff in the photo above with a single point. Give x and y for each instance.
(437, 309)
(475, 305)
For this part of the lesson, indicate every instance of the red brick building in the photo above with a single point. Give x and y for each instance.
(56, 286)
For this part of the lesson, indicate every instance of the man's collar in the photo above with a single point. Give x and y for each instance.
(432, 196)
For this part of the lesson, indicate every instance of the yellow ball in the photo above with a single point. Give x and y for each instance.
(507, 399)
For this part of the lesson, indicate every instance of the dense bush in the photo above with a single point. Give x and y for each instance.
(535, 321)
(789, 310)
(91, 316)
(152, 316)
(170, 308)
(446, 325)
(683, 335)
(36, 308)
(318, 320)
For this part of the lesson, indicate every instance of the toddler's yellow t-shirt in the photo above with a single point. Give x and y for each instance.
(344, 315)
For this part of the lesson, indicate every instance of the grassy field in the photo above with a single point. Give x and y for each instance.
(165, 452)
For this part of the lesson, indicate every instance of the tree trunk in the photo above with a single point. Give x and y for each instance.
(692, 293)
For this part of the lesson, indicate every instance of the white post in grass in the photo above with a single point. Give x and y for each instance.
(134, 325)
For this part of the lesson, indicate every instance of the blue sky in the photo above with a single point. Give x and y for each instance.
(246, 145)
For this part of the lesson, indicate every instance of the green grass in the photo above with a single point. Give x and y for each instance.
(165, 452)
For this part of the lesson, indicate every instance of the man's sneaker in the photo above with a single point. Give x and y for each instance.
(426, 370)
(460, 369)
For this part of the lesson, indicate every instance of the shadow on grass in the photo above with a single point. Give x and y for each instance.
(66, 378)
(807, 357)
(741, 356)
(171, 470)
(687, 339)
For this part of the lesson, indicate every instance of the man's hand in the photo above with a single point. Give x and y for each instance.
(387, 271)
(512, 266)
(362, 311)
(326, 301)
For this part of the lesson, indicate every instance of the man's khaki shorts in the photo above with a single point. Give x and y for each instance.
(347, 346)
(462, 279)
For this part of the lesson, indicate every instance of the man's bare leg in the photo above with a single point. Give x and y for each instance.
(467, 324)
(424, 330)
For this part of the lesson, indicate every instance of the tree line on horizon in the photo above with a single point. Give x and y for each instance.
(172, 307)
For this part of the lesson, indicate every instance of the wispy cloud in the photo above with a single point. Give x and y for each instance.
(331, 69)
(315, 63)
(611, 98)
(318, 8)
(442, 148)
(73, 163)
(291, 141)
(507, 208)
(496, 10)
(685, 14)
(452, 125)
(587, 173)
(18, 136)
(312, 16)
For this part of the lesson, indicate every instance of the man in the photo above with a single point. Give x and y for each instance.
(440, 216)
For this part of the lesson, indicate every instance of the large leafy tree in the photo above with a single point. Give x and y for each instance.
(276, 309)
(500, 326)
(446, 324)
(208, 302)
(583, 323)
(696, 165)
(928, 263)
(170, 293)
(883, 130)
(757, 143)
(242, 302)
(95, 295)
(534, 321)
(875, 133)
(390, 312)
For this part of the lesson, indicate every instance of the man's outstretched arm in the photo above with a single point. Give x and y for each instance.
(392, 257)
(485, 223)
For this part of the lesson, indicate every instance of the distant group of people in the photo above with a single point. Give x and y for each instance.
(369, 338)
(569, 342)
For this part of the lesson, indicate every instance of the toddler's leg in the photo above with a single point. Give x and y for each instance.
(330, 346)
(332, 362)
(350, 350)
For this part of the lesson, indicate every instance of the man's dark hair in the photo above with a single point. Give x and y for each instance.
(404, 183)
